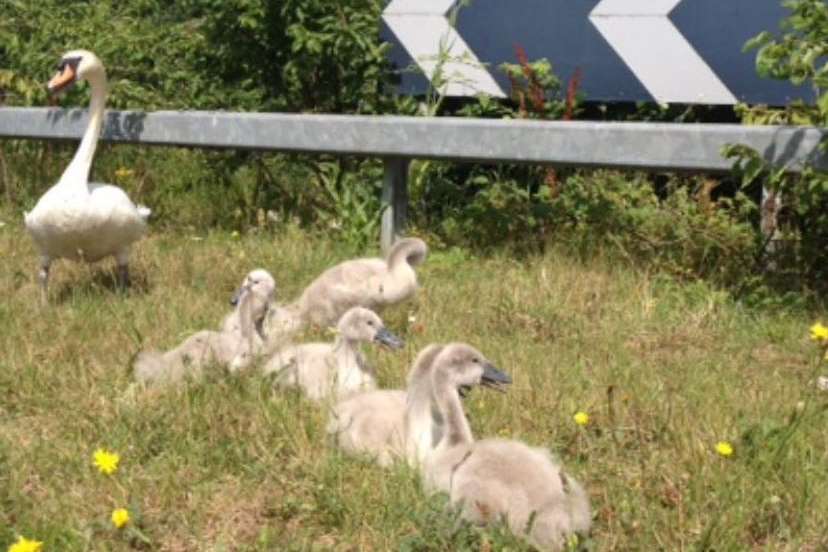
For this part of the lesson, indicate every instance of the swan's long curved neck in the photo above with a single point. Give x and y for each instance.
(447, 400)
(77, 173)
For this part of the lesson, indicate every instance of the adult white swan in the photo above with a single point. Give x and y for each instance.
(77, 219)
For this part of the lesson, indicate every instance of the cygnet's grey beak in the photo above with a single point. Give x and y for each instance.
(237, 295)
(494, 378)
(384, 337)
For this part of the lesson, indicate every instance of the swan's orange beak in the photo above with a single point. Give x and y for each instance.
(62, 80)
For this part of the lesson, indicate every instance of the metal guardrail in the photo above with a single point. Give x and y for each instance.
(653, 147)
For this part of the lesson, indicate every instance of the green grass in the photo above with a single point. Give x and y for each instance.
(664, 369)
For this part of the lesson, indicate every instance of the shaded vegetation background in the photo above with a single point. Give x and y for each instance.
(320, 56)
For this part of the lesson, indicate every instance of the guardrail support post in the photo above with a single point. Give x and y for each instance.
(394, 200)
(771, 204)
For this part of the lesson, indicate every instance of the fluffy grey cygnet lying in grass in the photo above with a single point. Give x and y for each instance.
(338, 368)
(235, 346)
(390, 424)
(371, 283)
(495, 479)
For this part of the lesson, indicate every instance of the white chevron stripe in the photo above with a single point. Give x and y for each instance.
(422, 28)
(642, 34)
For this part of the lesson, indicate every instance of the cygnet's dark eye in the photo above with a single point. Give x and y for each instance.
(370, 322)
(476, 360)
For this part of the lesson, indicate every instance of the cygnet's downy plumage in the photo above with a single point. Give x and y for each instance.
(324, 369)
(281, 324)
(389, 424)
(495, 479)
(371, 283)
(251, 308)
(234, 347)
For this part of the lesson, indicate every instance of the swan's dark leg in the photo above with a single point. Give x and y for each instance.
(43, 277)
(122, 260)
(123, 275)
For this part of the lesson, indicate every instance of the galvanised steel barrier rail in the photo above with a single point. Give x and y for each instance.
(653, 147)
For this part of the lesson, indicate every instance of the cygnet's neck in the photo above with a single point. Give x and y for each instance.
(447, 401)
(251, 311)
(398, 255)
(399, 281)
(351, 371)
(77, 173)
(423, 423)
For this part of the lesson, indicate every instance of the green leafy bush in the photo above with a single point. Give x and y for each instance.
(685, 231)
(797, 226)
(314, 55)
(298, 55)
(680, 227)
(247, 55)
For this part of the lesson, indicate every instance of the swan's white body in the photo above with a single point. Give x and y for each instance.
(372, 283)
(235, 347)
(79, 220)
(85, 223)
(335, 369)
(390, 424)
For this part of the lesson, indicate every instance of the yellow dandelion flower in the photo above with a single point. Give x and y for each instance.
(120, 517)
(724, 448)
(123, 172)
(105, 461)
(819, 333)
(581, 418)
(25, 545)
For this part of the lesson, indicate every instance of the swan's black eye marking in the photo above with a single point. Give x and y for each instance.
(73, 62)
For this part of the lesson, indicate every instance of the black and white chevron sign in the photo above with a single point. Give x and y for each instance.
(668, 51)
